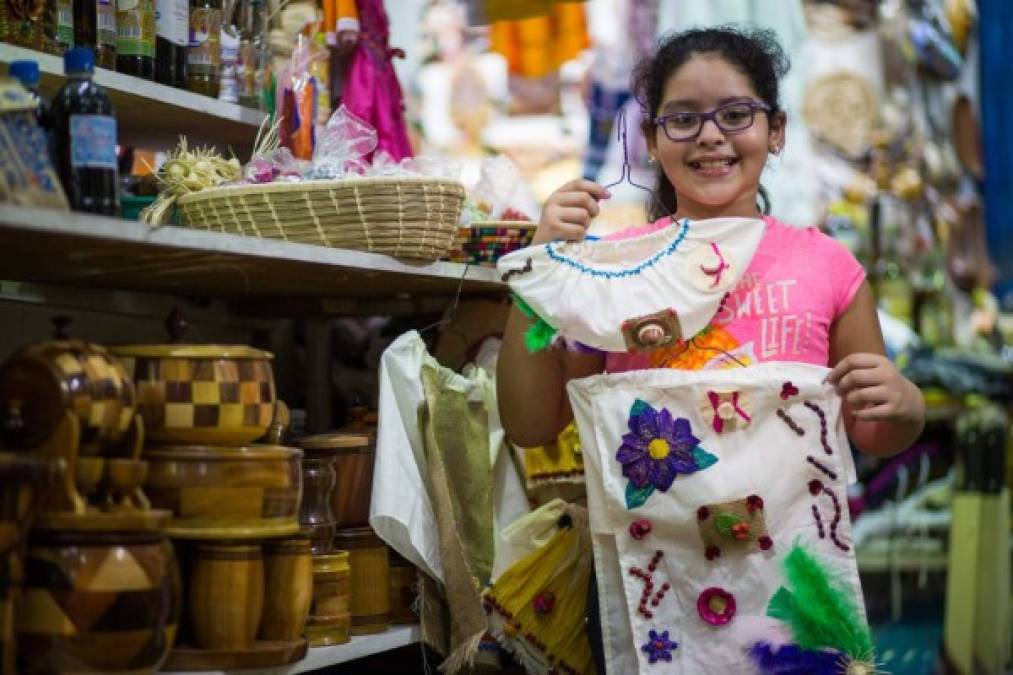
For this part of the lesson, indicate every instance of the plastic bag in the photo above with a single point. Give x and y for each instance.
(277, 165)
(497, 187)
(299, 103)
(343, 145)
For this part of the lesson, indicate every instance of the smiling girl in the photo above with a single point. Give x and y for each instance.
(711, 119)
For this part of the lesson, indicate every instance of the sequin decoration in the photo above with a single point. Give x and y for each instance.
(639, 529)
(544, 603)
(738, 524)
(656, 449)
(726, 411)
(659, 647)
(788, 390)
(654, 331)
(716, 606)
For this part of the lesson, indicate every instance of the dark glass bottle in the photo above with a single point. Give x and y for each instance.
(135, 37)
(95, 27)
(84, 138)
(204, 58)
(172, 28)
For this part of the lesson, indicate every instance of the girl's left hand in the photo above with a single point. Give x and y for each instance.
(874, 389)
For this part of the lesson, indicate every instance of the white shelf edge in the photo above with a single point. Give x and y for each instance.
(322, 657)
(142, 88)
(36, 220)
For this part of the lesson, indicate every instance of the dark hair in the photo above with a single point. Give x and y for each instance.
(755, 52)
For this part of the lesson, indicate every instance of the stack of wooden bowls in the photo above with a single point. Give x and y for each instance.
(100, 589)
(234, 504)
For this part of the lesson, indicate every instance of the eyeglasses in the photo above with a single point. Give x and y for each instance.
(731, 119)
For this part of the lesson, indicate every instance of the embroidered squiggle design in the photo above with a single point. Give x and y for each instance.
(647, 576)
(832, 475)
(528, 266)
(790, 422)
(823, 426)
(816, 487)
(716, 272)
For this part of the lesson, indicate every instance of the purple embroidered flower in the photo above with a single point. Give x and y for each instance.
(656, 450)
(659, 647)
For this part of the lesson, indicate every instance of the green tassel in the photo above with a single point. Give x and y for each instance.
(819, 609)
(539, 336)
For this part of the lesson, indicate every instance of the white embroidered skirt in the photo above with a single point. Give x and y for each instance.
(699, 484)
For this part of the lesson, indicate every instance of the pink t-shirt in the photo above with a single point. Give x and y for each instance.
(797, 284)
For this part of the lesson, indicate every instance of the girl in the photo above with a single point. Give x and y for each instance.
(712, 115)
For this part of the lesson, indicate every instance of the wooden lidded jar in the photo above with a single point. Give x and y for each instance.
(354, 453)
(330, 618)
(42, 381)
(370, 579)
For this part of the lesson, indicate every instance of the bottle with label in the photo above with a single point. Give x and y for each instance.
(203, 61)
(228, 90)
(27, 73)
(172, 26)
(84, 138)
(246, 65)
(95, 27)
(135, 37)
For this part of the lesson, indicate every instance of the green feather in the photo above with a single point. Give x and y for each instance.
(819, 608)
(539, 336)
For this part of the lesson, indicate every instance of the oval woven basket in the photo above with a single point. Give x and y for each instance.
(403, 217)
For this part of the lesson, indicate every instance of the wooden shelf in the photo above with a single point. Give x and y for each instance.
(152, 115)
(323, 657)
(61, 247)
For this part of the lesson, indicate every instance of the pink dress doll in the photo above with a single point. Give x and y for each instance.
(372, 91)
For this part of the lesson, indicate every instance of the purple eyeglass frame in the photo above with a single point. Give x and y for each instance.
(712, 116)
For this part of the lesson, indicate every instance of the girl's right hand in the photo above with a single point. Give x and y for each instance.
(568, 211)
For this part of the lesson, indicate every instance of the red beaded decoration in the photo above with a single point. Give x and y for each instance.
(648, 578)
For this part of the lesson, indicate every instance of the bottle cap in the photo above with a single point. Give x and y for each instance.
(27, 72)
(79, 60)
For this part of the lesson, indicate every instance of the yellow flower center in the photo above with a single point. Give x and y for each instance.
(659, 448)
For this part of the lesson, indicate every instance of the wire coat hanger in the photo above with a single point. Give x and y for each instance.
(627, 172)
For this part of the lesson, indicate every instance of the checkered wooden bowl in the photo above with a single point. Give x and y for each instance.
(203, 394)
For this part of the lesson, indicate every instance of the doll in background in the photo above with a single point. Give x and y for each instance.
(371, 90)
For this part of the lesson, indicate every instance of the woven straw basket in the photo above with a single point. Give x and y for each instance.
(402, 217)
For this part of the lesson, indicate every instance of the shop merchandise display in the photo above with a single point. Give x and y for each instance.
(30, 178)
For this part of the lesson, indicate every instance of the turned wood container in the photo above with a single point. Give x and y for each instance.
(226, 595)
(226, 493)
(354, 453)
(97, 601)
(403, 589)
(201, 394)
(288, 588)
(40, 382)
(21, 477)
(315, 511)
(370, 579)
(330, 617)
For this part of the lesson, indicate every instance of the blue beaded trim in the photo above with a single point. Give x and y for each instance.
(608, 274)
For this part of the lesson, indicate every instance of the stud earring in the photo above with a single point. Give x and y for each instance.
(652, 160)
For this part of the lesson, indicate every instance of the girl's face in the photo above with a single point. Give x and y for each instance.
(717, 173)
